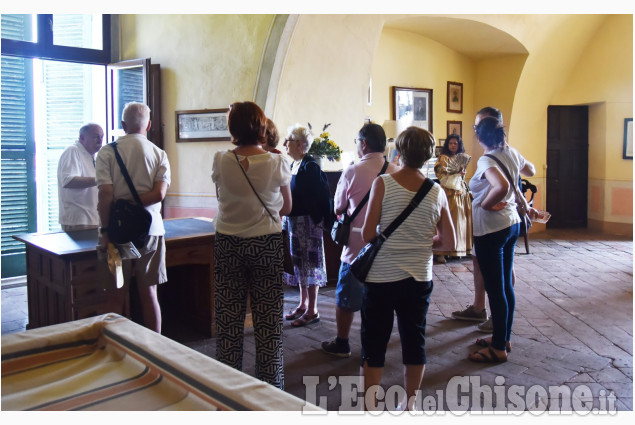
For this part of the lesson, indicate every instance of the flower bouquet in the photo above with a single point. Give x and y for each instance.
(324, 147)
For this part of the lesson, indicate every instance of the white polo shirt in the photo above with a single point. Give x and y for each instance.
(76, 206)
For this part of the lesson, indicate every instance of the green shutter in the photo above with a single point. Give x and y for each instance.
(17, 167)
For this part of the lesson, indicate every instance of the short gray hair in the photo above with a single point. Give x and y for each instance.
(136, 116)
(87, 127)
(301, 133)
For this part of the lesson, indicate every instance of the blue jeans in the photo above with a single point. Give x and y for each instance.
(495, 254)
(348, 294)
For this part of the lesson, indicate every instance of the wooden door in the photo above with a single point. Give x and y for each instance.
(567, 165)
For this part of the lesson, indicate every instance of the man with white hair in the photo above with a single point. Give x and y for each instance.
(76, 186)
(149, 171)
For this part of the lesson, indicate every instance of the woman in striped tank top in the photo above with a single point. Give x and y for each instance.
(400, 279)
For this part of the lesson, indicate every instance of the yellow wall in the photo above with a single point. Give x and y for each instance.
(207, 62)
(326, 74)
(495, 85)
(406, 60)
(325, 65)
(608, 63)
(603, 79)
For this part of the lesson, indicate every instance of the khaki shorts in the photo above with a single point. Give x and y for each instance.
(150, 268)
(74, 227)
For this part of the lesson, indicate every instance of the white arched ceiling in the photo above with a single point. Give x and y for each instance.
(476, 40)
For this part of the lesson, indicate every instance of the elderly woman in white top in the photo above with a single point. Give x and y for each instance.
(400, 279)
(248, 248)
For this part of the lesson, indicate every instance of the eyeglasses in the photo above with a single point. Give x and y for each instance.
(357, 139)
(290, 140)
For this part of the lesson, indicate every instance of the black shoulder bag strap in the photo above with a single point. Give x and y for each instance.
(365, 199)
(416, 200)
(126, 176)
(252, 187)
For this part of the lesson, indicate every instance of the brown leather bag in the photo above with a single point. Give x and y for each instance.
(288, 259)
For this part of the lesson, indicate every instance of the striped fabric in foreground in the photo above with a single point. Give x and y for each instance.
(111, 363)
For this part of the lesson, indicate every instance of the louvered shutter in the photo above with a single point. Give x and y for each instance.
(17, 168)
(66, 91)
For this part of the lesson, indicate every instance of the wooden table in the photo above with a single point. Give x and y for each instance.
(66, 282)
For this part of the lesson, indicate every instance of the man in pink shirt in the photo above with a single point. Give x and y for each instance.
(352, 187)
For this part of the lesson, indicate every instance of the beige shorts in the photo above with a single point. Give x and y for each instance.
(150, 269)
(74, 227)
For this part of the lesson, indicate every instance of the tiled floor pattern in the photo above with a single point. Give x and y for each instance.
(573, 328)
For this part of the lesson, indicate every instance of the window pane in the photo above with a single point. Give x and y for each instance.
(78, 31)
(18, 27)
(67, 96)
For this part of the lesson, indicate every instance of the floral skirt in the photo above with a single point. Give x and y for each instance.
(307, 250)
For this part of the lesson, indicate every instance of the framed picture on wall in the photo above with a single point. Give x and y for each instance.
(412, 107)
(455, 127)
(628, 138)
(455, 97)
(204, 125)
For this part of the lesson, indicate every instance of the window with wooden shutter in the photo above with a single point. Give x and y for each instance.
(44, 103)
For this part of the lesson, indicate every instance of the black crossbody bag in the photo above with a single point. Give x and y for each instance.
(342, 227)
(128, 221)
(364, 260)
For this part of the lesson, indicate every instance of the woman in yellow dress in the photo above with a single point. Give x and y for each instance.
(450, 170)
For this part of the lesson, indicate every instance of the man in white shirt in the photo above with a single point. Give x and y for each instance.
(149, 171)
(76, 186)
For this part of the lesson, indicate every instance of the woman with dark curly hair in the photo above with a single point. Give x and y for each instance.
(452, 180)
(496, 228)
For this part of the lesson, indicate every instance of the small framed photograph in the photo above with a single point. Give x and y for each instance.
(455, 127)
(205, 125)
(412, 107)
(455, 97)
(628, 139)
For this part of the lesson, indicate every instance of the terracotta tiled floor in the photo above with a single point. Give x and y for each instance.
(573, 328)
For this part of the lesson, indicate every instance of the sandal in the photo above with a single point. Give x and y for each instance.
(306, 320)
(488, 356)
(294, 314)
(485, 342)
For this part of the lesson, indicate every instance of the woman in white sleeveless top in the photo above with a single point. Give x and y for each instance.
(400, 279)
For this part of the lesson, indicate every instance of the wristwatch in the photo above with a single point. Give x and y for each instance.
(103, 229)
